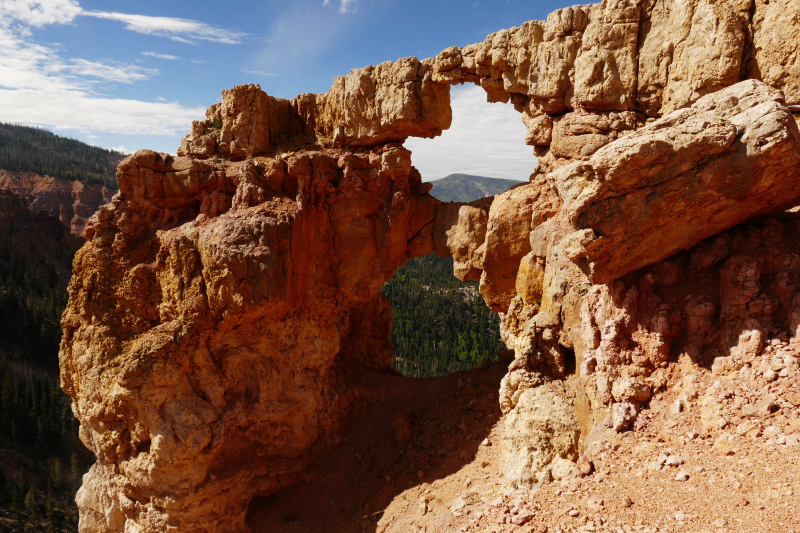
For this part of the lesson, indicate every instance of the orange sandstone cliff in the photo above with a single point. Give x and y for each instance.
(225, 297)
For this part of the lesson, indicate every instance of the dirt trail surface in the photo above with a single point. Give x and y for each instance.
(426, 431)
(670, 474)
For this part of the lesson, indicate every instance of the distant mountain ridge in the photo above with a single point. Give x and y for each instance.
(467, 188)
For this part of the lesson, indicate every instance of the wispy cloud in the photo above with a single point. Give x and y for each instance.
(38, 12)
(297, 35)
(83, 112)
(260, 73)
(111, 71)
(26, 65)
(177, 29)
(345, 6)
(160, 56)
(38, 86)
(484, 140)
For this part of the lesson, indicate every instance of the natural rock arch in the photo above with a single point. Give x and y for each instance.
(212, 311)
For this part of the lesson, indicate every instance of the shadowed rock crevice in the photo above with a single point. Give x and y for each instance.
(417, 432)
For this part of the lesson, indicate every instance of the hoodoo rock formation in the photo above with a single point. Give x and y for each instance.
(226, 298)
(26, 236)
(72, 202)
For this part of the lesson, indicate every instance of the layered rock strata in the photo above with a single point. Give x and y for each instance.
(226, 297)
(72, 202)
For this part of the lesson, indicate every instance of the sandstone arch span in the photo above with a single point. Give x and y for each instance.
(222, 295)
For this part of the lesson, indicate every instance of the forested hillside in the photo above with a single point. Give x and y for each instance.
(25, 148)
(441, 325)
(41, 456)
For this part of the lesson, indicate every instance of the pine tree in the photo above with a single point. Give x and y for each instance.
(437, 328)
(6, 398)
(42, 435)
(18, 499)
(75, 470)
(56, 472)
(66, 422)
(54, 516)
(30, 506)
(3, 481)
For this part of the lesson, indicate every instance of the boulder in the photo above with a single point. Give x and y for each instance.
(541, 432)
(733, 155)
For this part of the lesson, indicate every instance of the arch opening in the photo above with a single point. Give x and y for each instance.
(441, 324)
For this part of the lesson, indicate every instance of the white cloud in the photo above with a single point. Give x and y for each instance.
(43, 12)
(177, 29)
(38, 12)
(37, 86)
(80, 111)
(116, 72)
(121, 149)
(160, 56)
(30, 66)
(260, 73)
(484, 140)
(40, 87)
(345, 6)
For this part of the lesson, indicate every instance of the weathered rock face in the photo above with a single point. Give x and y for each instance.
(732, 155)
(226, 298)
(622, 333)
(616, 324)
(611, 66)
(541, 434)
(72, 202)
(221, 305)
(373, 105)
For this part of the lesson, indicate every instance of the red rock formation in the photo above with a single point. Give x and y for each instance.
(373, 105)
(224, 298)
(731, 156)
(27, 237)
(72, 202)
(238, 294)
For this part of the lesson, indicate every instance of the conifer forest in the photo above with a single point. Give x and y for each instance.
(441, 325)
(29, 149)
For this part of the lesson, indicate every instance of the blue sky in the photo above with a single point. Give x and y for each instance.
(134, 74)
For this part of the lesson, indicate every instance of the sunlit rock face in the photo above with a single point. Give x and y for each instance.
(214, 312)
(225, 296)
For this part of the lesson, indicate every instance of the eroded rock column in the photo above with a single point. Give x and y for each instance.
(212, 313)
